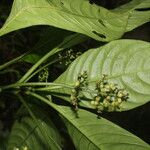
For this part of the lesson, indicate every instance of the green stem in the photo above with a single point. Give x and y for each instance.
(13, 61)
(68, 42)
(41, 68)
(35, 66)
(37, 123)
(11, 71)
(32, 84)
(43, 99)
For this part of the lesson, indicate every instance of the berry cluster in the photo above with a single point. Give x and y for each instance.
(109, 97)
(80, 83)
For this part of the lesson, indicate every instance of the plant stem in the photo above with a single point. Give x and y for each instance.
(13, 61)
(43, 99)
(32, 84)
(41, 68)
(11, 71)
(35, 66)
(68, 42)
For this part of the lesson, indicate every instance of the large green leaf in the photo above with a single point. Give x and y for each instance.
(26, 134)
(90, 133)
(79, 16)
(126, 62)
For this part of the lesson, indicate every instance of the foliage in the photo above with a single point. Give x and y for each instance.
(63, 107)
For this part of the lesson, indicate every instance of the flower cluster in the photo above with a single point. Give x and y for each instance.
(43, 75)
(80, 83)
(69, 56)
(109, 97)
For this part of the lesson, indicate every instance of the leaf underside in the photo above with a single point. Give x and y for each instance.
(126, 62)
(78, 16)
(90, 133)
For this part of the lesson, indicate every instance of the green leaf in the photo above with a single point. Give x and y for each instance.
(78, 16)
(26, 133)
(126, 62)
(90, 133)
(139, 13)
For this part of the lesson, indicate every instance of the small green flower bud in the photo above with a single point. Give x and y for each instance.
(119, 100)
(93, 102)
(101, 86)
(117, 103)
(105, 103)
(73, 98)
(77, 84)
(108, 98)
(110, 108)
(113, 104)
(112, 98)
(74, 103)
(100, 108)
(120, 94)
(112, 86)
(107, 86)
(124, 93)
(96, 103)
(73, 91)
(103, 90)
(97, 98)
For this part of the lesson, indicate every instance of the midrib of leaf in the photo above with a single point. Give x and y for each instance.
(75, 125)
(114, 76)
(120, 75)
(28, 136)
